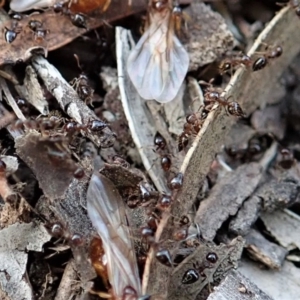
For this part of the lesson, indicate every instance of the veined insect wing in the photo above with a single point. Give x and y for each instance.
(23, 5)
(157, 65)
(107, 213)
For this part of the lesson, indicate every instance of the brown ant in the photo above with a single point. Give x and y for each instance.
(165, 162)
(194, 122)
(229, 64)
(183, 141)
(231, 107)
(11, 34)
(164, 202)
(77, 19)
(162, 255)
(93, 126)
(262, 61)
(192, 126)
(81, 85)
(159, 142)
(180, 234)
(39, 32)
(43, 124)
(2, 166)
(193, 275)
(294, 4)
(165, 158)
(47, 124)
(286, 159)
(177, 17)
(78, 173)
(177, 182)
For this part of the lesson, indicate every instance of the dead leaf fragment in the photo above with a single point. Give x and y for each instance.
(16, 240)
(61, 30)
(54, 174)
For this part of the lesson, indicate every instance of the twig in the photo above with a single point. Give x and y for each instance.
(11, 100)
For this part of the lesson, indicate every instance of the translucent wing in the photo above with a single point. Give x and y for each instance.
(107, 213)
(158, 63)
(23, 5)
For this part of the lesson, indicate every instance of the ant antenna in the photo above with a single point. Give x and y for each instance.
(78, 62)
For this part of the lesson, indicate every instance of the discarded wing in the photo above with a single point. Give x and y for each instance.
(23, 5)
(157, 65)
(107, 212)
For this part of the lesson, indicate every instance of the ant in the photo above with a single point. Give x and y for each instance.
(2, 166)
(286, 159)
(294, 4)
(177, 17)
(162, 255)
(192, 126)
(233, 108)
(159, 5)
(11, 34)
(183, 141)
(43, 124)
(161, 144)
(39, 32)
(163, 201)
(81, 84)
(77, 19)
(177, 182)
(194, 122)
(229, 64)
(93, 126)
(262, 61)
(193, 275)
(46, 124)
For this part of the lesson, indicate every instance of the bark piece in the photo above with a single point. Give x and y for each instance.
(208, 35)
(246, 216)
(226, 197)
(16, 241)
(10, 99)
(276, 195)
(237, 287)
(264, 251)
(125, 180)
(71, 212)
(283, 284)
(284, 226)
(34, 93)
